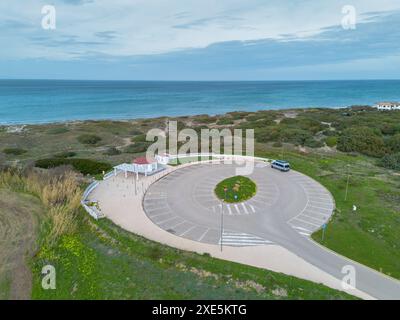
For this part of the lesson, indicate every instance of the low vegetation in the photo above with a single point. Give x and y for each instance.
(14, 151)
(58, 191)
(84, 166)
(236, 189)
(90, 139)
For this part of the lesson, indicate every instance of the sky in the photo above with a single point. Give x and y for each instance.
(201, 40)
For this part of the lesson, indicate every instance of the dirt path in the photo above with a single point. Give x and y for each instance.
(18, 230)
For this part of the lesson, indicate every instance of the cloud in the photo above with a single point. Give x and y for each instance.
(176, 39)
(158, 26)
(224, 21)
(76, 2)
(106, 35)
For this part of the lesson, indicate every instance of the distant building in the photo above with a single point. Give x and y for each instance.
(140, 165)
(145, 166)
(163, 158)
(388, 106)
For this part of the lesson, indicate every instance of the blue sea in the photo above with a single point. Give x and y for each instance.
(42, 101)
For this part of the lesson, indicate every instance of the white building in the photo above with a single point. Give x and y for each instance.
(140, 165)
(163, 158)
(388, 106)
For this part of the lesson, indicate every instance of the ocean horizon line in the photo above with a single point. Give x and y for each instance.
(49, 101)
(192, 80)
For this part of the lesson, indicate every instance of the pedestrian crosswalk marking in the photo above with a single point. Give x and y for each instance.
(241, 240)
(244, 208)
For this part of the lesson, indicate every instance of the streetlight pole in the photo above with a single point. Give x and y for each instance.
(222, 217)
(222, 224)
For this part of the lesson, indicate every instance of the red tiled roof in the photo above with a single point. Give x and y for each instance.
(142, 160)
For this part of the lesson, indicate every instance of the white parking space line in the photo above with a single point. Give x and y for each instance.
(159, 215)
(204, 234)
(229, 209)
(315, 194)
(310, 211)
(252, 208)
(179, 224)
(305, 234)
(318, 220)
(321, 202)
(187, 231)
(310, 223)
(166, 220)
(237, 209)
(300, 228)
(320, 208)
(244, 208)
(326, 199)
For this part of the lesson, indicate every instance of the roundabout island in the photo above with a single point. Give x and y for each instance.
(235, 189)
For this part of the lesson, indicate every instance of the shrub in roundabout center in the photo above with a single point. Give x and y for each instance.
(235, 189)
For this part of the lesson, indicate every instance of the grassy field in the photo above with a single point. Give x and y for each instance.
(101, 261)
(371, 235)
(236, 189)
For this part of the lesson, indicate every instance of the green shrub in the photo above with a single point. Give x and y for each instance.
(331, 141)
(391, 161)
(363, 140)
(65, 154)
(112, 151)
(268, 134)
(139, 138)
(14, 151)
(312, 143)
(57, 130)
(238, 115)
(296, 136)
(137, 147)
(135, 132)
(85, 166)
(393, 143)
(329, 133)
(262, 123)
(205, 119)
(90, 139)
(224, 121)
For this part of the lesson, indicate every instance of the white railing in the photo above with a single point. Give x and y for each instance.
(108, 175)
(216, 155)
(91, 210)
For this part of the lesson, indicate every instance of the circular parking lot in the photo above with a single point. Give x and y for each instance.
(286, 205)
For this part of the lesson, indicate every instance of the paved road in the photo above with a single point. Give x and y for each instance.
(287, 208)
